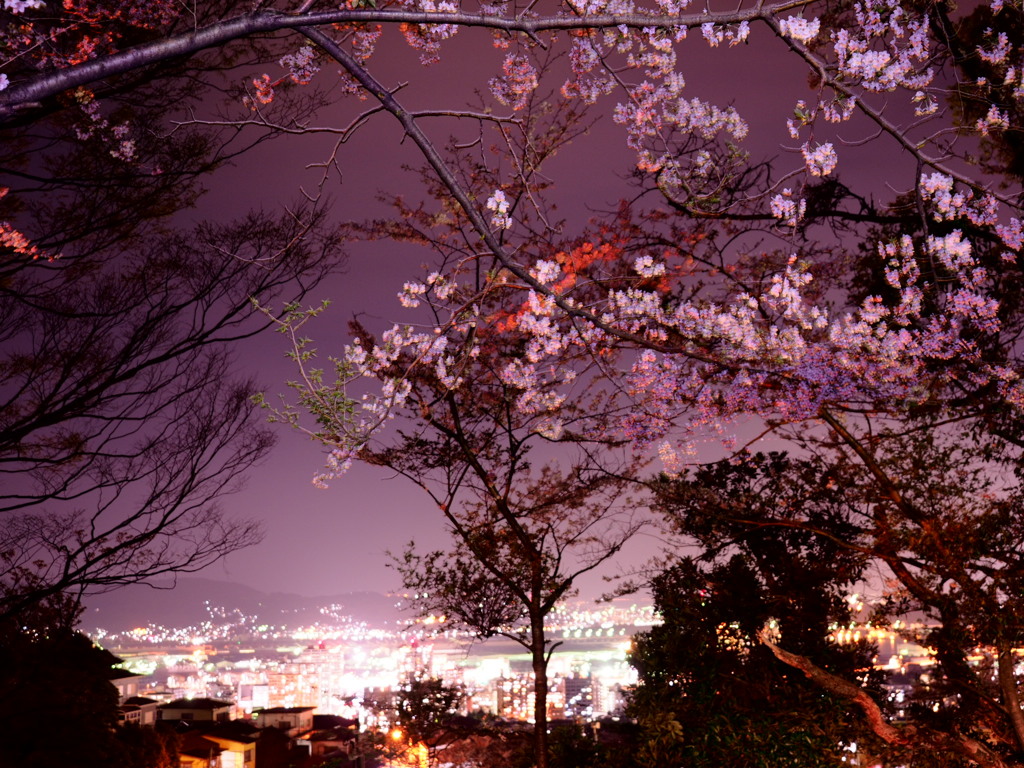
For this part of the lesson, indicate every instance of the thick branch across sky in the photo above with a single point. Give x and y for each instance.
(28, 94)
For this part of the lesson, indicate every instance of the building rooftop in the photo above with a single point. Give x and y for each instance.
(227, 734)
(196, 704)
(117, 673)
(139, 701)
(285, 710)
(194, 745)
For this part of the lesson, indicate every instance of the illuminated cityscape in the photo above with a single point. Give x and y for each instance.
(327, 683)
(340, 667)
(346, 668)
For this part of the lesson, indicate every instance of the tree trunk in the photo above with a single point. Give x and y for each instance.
(538, 651)
(1008, 686)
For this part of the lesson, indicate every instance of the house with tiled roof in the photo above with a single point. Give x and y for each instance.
(239, 748)
(340, 740)
(139, 710)
(197, 751)
(213, 710)
(293, 720)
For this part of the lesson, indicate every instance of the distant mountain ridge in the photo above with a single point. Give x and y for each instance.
(194, 600)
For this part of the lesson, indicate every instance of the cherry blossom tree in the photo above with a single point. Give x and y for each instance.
(739, 292)
(878, 51)
(916, 335)
(771, 326)
(532, 506)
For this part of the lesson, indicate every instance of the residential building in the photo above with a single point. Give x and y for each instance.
(213, 710)
(292, 720)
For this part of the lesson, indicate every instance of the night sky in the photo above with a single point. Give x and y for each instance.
(331, 541)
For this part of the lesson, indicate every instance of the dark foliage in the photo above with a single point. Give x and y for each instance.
(710, 694)
(59, 707)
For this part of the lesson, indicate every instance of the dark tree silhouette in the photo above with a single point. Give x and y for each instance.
(120, 423)
(710, 692)
(59, 707)
(423, 709)
(522, 537)
(927, 521)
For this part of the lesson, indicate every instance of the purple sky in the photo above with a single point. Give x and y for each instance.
(329, 541)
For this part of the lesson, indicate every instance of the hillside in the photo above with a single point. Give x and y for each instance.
(192, 601)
